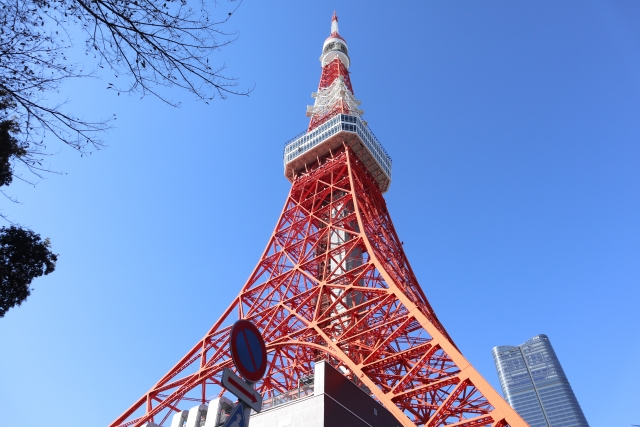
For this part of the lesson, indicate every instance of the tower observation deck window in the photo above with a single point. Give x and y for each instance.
(308, 141)
(335, 45)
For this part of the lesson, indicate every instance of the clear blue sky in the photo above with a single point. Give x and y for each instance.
(514, 131)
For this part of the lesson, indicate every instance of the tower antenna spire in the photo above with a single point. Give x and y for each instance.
(335, 92)
(334, 23)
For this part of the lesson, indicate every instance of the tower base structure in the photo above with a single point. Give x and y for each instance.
(334, 285)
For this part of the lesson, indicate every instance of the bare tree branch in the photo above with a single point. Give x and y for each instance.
(154, 44)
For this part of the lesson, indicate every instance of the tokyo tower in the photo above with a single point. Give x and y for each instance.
(334, 285)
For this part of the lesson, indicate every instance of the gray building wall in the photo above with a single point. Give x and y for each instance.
(335, 402)
(535, 385)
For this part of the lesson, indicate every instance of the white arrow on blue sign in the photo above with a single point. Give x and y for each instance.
(242, 389)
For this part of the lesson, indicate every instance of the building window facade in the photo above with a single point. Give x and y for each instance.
(535, 385)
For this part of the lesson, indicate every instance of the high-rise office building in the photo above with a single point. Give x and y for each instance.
(535, 385)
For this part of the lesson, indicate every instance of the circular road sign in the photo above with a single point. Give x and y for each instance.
(248, 350)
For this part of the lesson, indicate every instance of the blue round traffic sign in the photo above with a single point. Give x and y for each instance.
(248, 350)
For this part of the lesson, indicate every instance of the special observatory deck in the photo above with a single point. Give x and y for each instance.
(307, 147)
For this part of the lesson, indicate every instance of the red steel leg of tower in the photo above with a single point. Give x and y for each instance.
(334, 284)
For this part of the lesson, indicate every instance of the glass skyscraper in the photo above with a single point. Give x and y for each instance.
(535, 385)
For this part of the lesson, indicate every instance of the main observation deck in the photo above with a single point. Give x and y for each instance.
(307, 147)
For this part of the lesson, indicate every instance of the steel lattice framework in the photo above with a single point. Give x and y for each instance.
(334, 284)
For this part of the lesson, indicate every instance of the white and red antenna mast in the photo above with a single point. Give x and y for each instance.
(335, 93)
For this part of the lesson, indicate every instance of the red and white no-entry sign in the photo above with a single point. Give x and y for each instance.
(248, 350)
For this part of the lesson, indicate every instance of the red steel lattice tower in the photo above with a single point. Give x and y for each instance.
(334, 284)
